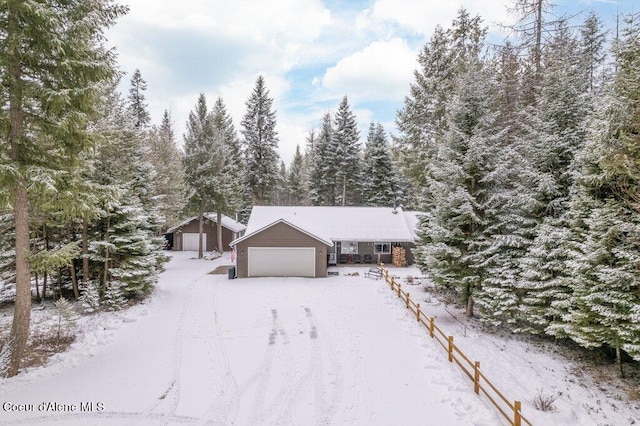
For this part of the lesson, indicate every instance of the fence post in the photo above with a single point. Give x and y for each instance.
(393, 283)
(418, 312)
(407, 300)
(517, 417)
(450, 339)
(431, 326)
(398, 285)
(476, 377)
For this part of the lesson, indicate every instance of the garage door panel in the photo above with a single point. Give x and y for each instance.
(190, 241)
(282, 261)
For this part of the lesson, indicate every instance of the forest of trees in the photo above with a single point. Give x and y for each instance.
(524, 159)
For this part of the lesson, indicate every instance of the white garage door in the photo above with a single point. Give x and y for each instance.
(282, 261)
(190, 241)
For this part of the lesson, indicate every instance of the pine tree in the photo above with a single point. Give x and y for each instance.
(323, 168)
(605, 212)
(381, 183)
(125, 243)
(421, 121)
(48, 109)
(281, 195)
(453, 234)
(166, 159)
(296, 180)
(232, 180)
(234, 168)
(345, 149)
(560, 122)
(136, 99)
(205, 163)
(260, 144)
(592, 40)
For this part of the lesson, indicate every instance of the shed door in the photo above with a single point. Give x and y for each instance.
(190, 241)
(282, 262)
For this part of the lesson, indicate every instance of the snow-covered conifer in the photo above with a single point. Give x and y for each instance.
(296, 180)
(136, 101)
(381, 183)
(260, 140)
(345, 149)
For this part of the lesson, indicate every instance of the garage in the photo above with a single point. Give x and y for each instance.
(281, 249)
(190, 241)
(282, 261)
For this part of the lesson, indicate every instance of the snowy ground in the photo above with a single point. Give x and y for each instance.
(340, 350)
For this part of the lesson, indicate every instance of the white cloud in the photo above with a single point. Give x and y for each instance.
(422, 16)
(380, 71)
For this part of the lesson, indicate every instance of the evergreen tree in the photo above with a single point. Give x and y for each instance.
(223, 122)
(453, 233)
(345, 149)
(605, 251)
(281, 195)
(422, 119)
(137, 104)
(560, 122)
(233, 173)
(323, 168)
(125, 246)
(260, 144)
(592, 40)
(381, 183)
(206, 173)
(166, 159)
(47, 108)
(296, 180)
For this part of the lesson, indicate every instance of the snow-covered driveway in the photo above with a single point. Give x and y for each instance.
(208, 350)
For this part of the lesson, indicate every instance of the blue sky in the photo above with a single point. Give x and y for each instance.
(311, 53)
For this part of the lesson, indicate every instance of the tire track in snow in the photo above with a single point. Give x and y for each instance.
(172, 392)
(313, 379)
(262, 378)
(229, 403)
(302, 385)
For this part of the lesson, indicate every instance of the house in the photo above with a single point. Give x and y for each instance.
(302, 241)
(184, 236)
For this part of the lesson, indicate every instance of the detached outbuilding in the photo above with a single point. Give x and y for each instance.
(185, 236)
(302, 241)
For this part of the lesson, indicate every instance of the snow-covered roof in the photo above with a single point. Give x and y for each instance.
(227, 222)
(294, 223)
(365, 224)
(412, 218)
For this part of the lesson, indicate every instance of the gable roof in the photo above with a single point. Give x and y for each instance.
(227, 222)
(314, 235)
(365, 224)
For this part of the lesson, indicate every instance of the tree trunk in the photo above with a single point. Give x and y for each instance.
(22, 312)
(106, 262)
(469, 310)
(85, 252)
(619, 357)
(74, 276)
(38, 289)
(74, 281)
(22, 309)
(219, 229)
(344, 189)
(200, 229)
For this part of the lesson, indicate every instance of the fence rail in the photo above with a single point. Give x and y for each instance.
(510, 411)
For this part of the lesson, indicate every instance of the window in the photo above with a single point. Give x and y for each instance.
(348, 247)
(381, 248)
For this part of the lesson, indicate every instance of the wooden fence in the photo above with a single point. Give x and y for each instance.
(510, 411)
